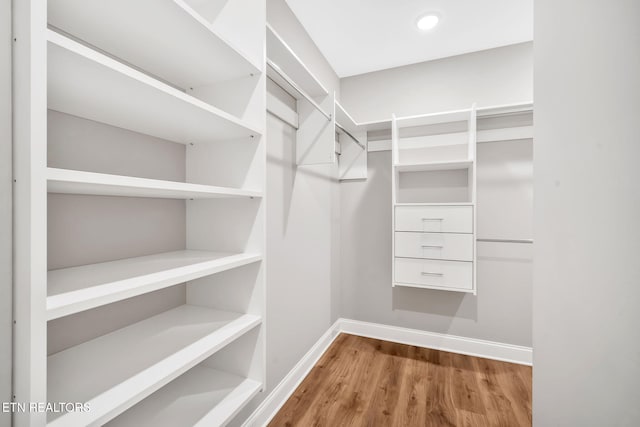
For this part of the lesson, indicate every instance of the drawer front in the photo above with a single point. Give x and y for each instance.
(448, 219)
(441, 274)
(458, 247)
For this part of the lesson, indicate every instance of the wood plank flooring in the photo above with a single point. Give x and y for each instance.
(367, 382)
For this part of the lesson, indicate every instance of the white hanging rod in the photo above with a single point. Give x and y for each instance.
(297, 88)
(505, 240)
(346, 132)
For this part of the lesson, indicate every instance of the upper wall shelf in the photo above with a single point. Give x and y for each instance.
(99, 184)
(432, 119)
(378, 125)
(85, 83)
(442, 117)
(166, 38)
(280, 54)
(498, 110)
(344, 119)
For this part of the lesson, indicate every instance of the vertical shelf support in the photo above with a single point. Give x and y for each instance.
(30, 206)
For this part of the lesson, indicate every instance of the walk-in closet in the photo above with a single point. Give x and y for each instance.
(295, 213)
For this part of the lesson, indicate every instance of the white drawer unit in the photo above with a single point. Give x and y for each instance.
(434, 201)
(448, 246)
(436, 274)
(442, 219)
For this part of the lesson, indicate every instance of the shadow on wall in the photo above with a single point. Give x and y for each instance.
(285, 160)
(374, 209)
(502, 310)
(441, 303)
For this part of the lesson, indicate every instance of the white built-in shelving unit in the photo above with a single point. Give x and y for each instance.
(434, 201)
(176, 333)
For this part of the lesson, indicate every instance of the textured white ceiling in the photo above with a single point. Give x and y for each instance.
(359, 36)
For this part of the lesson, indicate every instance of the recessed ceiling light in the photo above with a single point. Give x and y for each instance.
(427, 22)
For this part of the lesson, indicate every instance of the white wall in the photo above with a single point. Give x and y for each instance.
(502, 310)
(302, 226)
(491, 77)
(586, 272)
(5, 208)
(302, 239)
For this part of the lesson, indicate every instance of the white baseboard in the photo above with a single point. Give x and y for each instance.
(279, 395)
(452, 343)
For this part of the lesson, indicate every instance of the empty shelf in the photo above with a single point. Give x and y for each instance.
(71, 290)
(200, 397)
(435, 204)
(434, 166)
(345, 119)
(505, 134)
(79, 182)
(283, 56)
(435, 118)
(378, 125)
(166, 38)
(117, 370)
(85, 83)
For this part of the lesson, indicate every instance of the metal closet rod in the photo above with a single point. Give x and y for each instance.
(297, 88)
(346, 132)
(505, 240)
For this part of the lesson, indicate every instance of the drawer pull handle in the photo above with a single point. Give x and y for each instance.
(433, 219)
(424, 273)
(433, 246)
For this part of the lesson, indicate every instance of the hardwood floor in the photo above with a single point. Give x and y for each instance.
(367, 382)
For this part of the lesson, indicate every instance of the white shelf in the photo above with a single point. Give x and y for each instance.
(437, 288)
(378, 125)
(434, 166)
(201, 397)
(85, 83)
(163, 37)
(434, 118)
(79, 182)
(115, 371)
(498, 110)
(75, 289)
(505, 134)
(434, 204)
(345, 119)
(381, 125)
(285, 58)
